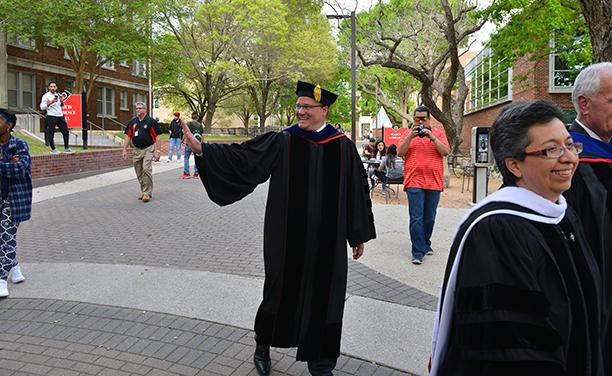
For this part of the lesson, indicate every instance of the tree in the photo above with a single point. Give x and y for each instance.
(91, 32)
(581, 30)
(241, 106)
(284, 41)
(423, 39)
(392, 89)
(195, 50)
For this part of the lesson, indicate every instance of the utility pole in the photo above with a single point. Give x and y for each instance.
(353, 69)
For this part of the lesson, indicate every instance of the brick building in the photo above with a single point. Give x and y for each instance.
(492, 87)
(27, 66)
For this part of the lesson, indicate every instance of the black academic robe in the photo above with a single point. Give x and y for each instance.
(317, 201)
(591, 197)
(526, 299)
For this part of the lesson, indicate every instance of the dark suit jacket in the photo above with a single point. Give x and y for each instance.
(591, 197)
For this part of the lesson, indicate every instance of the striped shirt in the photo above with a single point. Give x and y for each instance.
(423, 166)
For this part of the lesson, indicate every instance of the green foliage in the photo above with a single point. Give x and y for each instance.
(90, 30)
(526, 27)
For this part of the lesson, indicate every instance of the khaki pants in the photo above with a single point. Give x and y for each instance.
(143, 165)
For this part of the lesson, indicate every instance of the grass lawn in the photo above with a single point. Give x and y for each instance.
(210, 138)
(38, 147)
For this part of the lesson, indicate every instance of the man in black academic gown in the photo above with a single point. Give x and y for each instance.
(591, 192)
(318, 200)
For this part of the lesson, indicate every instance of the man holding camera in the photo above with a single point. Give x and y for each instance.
(423, 149)
(53, 102)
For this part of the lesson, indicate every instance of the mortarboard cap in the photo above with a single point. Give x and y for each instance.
(304, 89)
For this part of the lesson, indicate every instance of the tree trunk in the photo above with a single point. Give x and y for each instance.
(598, 14)
(208, 120)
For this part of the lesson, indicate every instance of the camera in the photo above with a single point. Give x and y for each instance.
(420, 129)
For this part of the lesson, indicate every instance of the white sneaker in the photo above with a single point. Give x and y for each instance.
(16, 275)
(168, 160)
(68, 151)
(3, 289)
(55, 151)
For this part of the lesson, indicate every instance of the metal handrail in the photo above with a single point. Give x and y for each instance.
(91, 123)
(116, 122)
(32, 111)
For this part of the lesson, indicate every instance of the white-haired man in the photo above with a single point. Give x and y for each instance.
(591, 191)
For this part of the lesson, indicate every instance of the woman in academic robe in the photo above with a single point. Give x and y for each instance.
(521, 292)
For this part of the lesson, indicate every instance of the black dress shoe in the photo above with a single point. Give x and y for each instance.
(261, 359)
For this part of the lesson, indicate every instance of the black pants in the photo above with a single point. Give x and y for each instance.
(50, 123)
(381, 176)
(321, 367)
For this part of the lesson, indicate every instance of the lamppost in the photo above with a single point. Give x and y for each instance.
(353, 70)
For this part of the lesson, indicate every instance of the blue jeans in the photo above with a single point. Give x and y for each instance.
(422, 205)
(175, 143)
(186, 161)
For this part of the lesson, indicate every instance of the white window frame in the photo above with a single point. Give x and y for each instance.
(124, 63)
(123, 100)
(551, 72)
(105, 102)
(17, 41)
(108, 65)
(19, 89)
(139, 97)
(139, 69)
(475, 69)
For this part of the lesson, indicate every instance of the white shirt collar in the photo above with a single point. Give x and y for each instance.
(588, 131)
(320, 129)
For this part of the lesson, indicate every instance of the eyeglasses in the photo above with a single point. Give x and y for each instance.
(306, 106)
(557, 151)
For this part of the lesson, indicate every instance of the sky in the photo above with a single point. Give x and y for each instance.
(346, 6)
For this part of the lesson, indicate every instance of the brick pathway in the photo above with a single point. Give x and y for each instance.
(59, 338)
(109, 226)
(179, 229)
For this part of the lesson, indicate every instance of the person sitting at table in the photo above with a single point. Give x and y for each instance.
(377, 155)
(391, 167)
(368, 150)
(380, 150)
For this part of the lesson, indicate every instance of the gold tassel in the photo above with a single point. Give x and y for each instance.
(317, 93)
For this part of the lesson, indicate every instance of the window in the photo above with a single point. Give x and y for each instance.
(139, 97)
(49, 43)
(21, 90)
(108, 64)
(69, 86)
(561, 74)
(76, 52)
(489, 82)
(105, 101)
(17, 41)
(49, 79)
(124, 63)
(155, 102)
(139, 69)
(123, 101)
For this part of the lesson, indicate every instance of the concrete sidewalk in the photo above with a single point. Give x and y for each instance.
(91, 281)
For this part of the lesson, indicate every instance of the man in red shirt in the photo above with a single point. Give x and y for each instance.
(423, 149)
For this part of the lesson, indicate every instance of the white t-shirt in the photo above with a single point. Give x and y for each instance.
(53, 110)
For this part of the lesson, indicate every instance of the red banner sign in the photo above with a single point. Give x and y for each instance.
(73, 110)
(395, 136)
